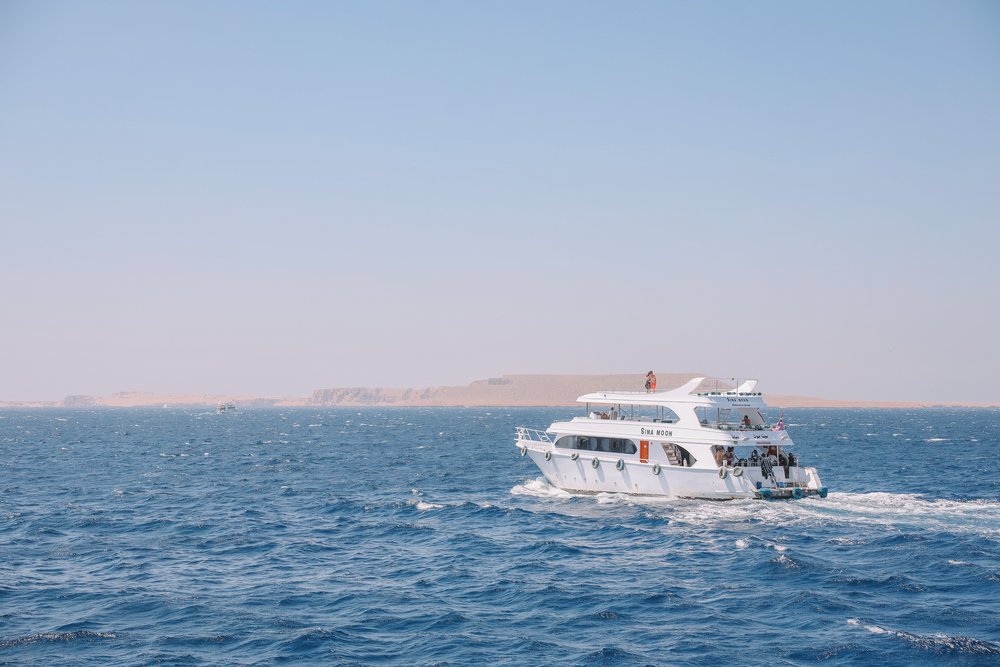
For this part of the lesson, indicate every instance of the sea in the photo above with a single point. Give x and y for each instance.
(420, 536)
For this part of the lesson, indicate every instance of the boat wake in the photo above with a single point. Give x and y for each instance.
(981, 517)
(893, 510)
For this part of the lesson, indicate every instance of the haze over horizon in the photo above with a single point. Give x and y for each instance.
(269, 199)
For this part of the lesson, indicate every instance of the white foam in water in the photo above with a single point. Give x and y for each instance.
(605, 498)
(938, 440)
(898, 510)
(980, 517)
(425, 506)
(934, 642)
(539, 488)
(742, 543)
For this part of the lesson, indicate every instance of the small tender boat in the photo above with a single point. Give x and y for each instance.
(681, 443)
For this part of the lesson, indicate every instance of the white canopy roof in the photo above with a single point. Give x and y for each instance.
(681, 394)
(742, 396)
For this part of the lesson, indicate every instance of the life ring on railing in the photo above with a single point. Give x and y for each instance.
(620, 465)
(574, 456)
(524, 450)
(548, 456)
(595, 463)
(656, 468)
(798, 493)
(737, 471)
(723, 472)
(765, 493)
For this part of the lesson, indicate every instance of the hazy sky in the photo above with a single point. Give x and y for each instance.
(269, 198)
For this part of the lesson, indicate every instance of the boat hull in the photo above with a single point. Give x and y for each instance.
(614, 474)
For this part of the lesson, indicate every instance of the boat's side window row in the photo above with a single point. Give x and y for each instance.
(593, 444)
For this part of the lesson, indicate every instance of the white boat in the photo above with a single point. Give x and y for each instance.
(677, 443)
(227, 406)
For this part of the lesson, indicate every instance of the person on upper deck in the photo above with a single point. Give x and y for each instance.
(650, 382)
(746, 421)
(754, 458)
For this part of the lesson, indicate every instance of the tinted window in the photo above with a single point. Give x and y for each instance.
(595, 444)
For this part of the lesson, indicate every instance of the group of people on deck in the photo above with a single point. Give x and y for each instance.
(766, 460)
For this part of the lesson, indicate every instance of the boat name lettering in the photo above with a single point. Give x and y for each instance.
(762, 438)
(655, 431)
(738, 400)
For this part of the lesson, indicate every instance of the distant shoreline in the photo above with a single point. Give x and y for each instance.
(847, 405)
(506, 391)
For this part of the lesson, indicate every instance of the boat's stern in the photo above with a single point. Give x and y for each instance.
(802, 483)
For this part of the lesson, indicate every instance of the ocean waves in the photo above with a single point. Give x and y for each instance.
(418, 536)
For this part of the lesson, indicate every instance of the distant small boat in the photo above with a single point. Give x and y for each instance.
(228, 406)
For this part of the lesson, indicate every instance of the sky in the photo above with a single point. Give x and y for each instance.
(270, 198)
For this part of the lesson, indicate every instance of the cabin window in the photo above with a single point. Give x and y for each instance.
(595, 444)
(566, 442)
(666, 415)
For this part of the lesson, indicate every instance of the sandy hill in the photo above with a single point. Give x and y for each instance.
(506, 390)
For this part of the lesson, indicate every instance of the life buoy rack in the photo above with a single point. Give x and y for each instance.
(524, 450)
(620, 465)
(548, 456)
(595, 463)
(723, 472)
(656, 468)
(737, 471)
(574, 456)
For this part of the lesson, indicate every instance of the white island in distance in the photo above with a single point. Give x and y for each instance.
(503, 391)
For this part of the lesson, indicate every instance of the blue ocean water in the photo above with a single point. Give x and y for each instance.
(420, 536)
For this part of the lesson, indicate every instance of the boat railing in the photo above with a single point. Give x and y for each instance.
(737, 426)
(532, 435)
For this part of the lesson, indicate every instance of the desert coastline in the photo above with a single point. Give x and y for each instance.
(504, 391)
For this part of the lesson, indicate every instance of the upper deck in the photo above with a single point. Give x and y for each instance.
(730, 410)
(685, 395)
